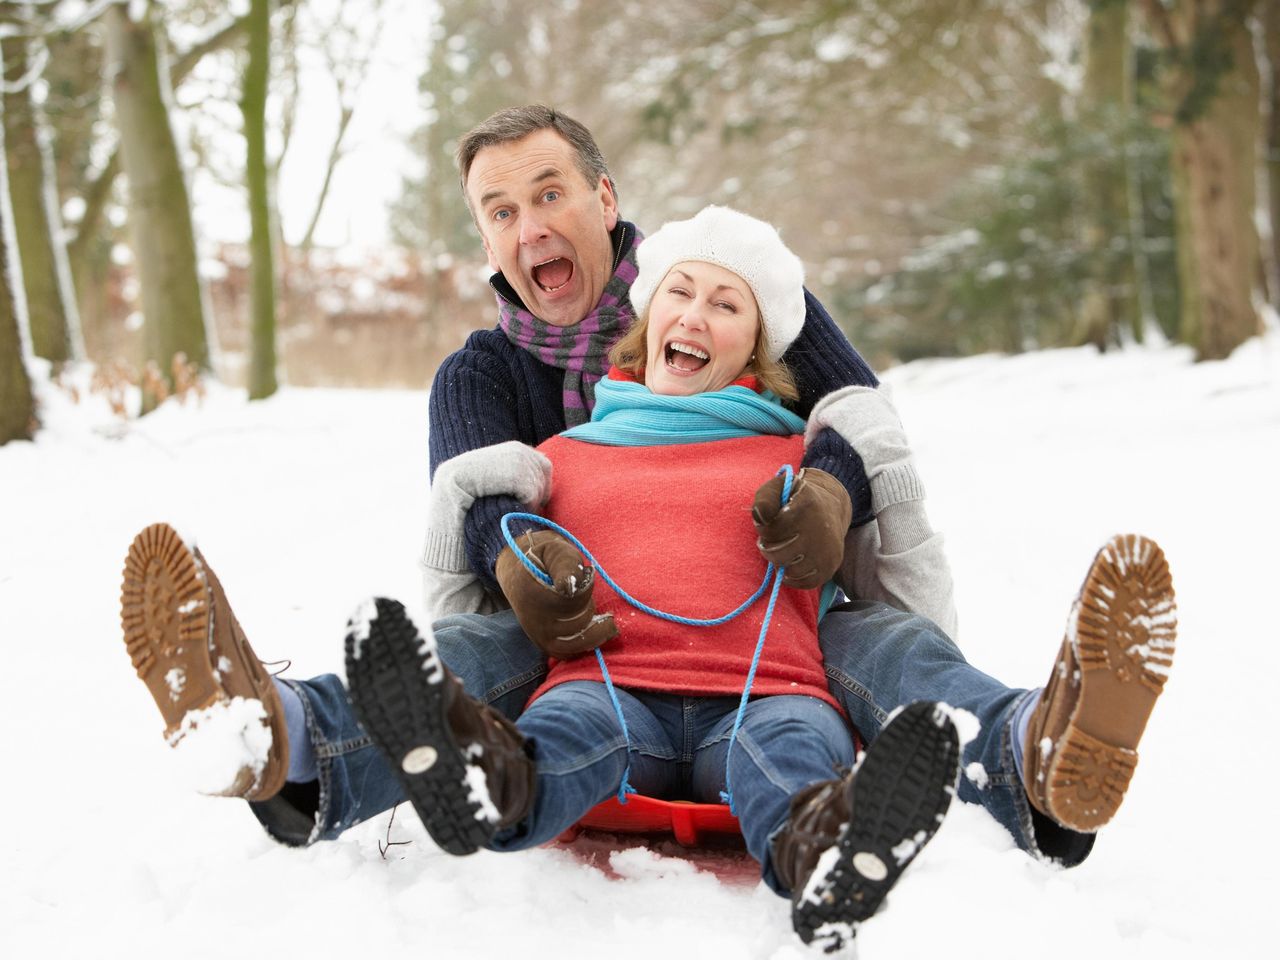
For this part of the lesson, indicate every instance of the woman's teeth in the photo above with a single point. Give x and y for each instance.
(686, 357)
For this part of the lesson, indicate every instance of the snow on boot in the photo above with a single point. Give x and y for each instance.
(1082, 739)
(462, 765)
(846, 842)
(220, 707)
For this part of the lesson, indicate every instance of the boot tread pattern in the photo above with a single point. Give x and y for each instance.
(1124, 633)
(394, 678)
(901, 793)
(165, 615)
(1128, 620)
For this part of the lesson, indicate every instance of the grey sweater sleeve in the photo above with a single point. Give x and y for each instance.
(897, 558)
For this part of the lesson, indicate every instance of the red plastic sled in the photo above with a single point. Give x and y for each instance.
(688, 822)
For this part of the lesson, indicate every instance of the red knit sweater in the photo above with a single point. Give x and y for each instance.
(672, 526)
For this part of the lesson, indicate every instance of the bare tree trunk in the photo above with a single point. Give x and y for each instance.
(37, 220)
(1271, 46)
(159, 206)
(335, 155)
(1219, 153)
(1215, 142)
(262, 365)
(1110, 309)
(17, 403)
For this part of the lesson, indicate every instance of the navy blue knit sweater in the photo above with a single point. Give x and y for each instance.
(492, 391)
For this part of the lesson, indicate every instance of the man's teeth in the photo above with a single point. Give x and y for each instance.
(691, 351)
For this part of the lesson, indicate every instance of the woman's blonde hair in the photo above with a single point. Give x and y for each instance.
(629, 356)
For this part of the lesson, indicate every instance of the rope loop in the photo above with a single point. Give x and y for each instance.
(771, 573)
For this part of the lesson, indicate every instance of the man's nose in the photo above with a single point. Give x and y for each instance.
(532, 229)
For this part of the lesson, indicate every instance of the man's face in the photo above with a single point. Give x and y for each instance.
(544, 227)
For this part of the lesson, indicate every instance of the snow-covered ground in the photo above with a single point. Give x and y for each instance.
(308, 502)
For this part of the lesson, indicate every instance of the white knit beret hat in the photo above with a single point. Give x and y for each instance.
(749, 247)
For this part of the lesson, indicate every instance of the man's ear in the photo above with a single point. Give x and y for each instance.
(610, 203)
(488, 252)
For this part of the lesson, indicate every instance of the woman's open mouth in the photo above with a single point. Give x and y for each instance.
(551, 275)
(685, 357)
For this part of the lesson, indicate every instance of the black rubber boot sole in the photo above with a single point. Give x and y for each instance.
(901, 792)
(399, 689)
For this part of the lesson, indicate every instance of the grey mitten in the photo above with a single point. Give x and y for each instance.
(868, 421)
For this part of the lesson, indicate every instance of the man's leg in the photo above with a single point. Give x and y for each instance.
(201, 671)
(878, 657)
(490, 654)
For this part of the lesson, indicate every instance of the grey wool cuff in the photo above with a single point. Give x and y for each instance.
(444, 551)
(896, 483)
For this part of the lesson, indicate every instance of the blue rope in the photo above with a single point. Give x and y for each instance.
(772, 572)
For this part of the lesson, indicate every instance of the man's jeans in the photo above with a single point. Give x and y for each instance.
(877, 658)
(679, 749)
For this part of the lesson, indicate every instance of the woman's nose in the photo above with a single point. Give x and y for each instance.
(693, 317)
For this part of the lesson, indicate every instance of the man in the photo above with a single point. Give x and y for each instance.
(547, 212)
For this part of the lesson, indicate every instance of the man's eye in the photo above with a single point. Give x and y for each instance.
(551, 196)
(501, 214)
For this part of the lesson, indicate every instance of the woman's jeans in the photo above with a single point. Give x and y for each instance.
(877, 658)
(679, 749)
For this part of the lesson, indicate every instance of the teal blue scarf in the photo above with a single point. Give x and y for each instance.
(627, 414)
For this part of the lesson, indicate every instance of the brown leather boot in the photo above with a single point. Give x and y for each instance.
(189, 650)
(847, 841)
(463, 765)
(1082, 739)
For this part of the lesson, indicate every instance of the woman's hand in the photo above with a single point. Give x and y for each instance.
(561, 619)
(806, 536)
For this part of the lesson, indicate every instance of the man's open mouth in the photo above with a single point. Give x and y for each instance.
(553, 274)
(686, 357)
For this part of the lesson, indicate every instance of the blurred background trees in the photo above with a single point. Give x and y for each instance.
(981, 175)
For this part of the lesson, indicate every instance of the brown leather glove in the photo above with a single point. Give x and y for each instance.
(806, 537)
(560, 619)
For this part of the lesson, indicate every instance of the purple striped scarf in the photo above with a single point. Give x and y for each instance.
(582, 350)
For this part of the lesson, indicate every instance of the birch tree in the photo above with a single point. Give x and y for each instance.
(37, 223)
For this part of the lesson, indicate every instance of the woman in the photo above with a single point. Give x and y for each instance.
(686, 430)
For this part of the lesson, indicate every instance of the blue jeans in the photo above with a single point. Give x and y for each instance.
(679, 749)
(877, 658)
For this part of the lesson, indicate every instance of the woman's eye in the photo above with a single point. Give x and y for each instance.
(725, 305)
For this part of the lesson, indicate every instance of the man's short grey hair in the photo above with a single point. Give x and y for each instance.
(516, 123)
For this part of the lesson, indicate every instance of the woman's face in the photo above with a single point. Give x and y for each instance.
(703, 325)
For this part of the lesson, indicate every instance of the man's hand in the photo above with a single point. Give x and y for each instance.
(561, 619)
(806, 536)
